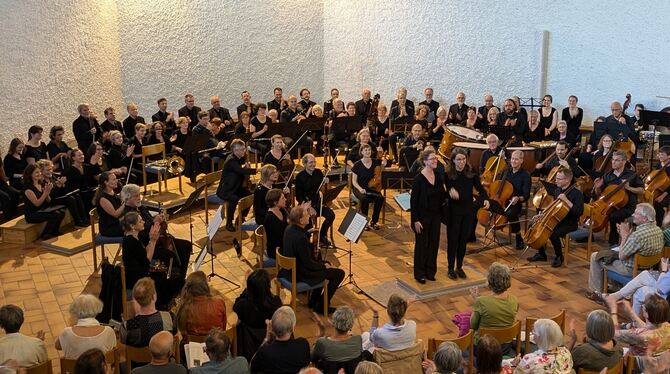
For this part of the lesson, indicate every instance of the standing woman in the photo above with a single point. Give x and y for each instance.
(138, 141)
(362, 173)
(428, 193)
(461, 179)
(573, 116)
(14, 164)
(93, 168)
(37, 203)
(381, 133)
(35, 147)
(548, 115)
(58, 151)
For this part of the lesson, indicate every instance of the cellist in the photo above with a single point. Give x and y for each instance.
(634, 186)
(493, 150)
(562, 158)
(574, 199)
(663, 200)
(520, 180)
(361, 174)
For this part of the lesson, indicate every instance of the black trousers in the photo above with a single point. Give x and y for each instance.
(329, 217)
(366, 199)
(560, 231)
(458, 231)
(232, 205)
(659, 207)
(512, 215)
(335, 277)
(618, 216)
(53, 220)
(425, 247)
(9, 200)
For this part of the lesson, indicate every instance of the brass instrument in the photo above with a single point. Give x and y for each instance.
(174, 165)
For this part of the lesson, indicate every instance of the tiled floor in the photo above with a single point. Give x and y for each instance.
(44, 283)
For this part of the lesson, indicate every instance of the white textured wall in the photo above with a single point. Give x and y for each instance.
(56, 54)
(207, 47)
(598, 50)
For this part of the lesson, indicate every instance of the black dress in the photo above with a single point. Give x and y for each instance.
(274, 232)
(426, 207)
(109, 225)
(260, 206)
(135, 260)
(37, 153)
(14, 168)
(251, 327)
(52, 215)
(546, 121)
(363, 177)
(78, 180)
(574, 123)
(53, 149)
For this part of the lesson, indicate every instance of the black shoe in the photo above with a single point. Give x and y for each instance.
(230, 227)
(519, 242)
(430, 278)
(367, 228)
(238, 247)
(375, 226)
(421, 280)
(324, 242)
(461, 274)
(452, 274)
(537, 257)
(558, 261)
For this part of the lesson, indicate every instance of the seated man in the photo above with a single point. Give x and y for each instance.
(232, 186)
(137, 331)
(23, 350)
(218, 347)
(280, 351)
(644, 284)
(412, 146)
(160, 347)
(647, 240)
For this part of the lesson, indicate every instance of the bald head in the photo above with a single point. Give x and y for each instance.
(310, 370)
(160, 345)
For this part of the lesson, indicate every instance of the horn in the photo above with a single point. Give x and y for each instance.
(175, 165)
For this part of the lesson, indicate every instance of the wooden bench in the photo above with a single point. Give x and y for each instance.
(18, 231)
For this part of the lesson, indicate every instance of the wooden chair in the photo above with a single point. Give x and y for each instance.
(209, 180)
(505, 335)
(98, 239)
(640, 262)
(530, 322)
(124, 292)
(111, 357)
(160, 171)
(43, 368)
(260, 244)
(617, 369)
(465, 343)
(144, 355)
(666, 252)
(296, 287)
(353, 200)
(406, 361)
(245, 203)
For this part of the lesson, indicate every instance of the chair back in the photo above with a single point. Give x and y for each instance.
(111, 358)
(645, 262)
(260, 242)
(616, 369)
(466, 343)
(124, 292)
(244, 204)
(43, 368)
(530, 323)
(153, 149)
(208, 180)
(505, 335)
(666, 252)
(93, 220)
(406, 361)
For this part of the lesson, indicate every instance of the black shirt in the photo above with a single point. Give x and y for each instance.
(505, 132)
(554, 162)
(574, 123)
(260, 206)
(536, 135)
(273, 104)
(111, 126)
(220, 112)
(161, 116)
(424, 195)
(395, 109)
(281, 357)
(129, 125)
(192, 114)
(464, 185)
(484, 111)
(251, 109)
(181, 138)
(116, 157)
(364, 175)
(546, 121)
(457, 113)
(53, 149)
(31, 208)
(577, 199)
(258, 124)
(626, 176)
(76, 179)
(14, 168)
(433, 105)
(520, 180)
(569, 138)
(355, 152)
(272, 160)
(254, 313)
(380, 128)
(107, 221)
(306, 104)
(362, 109)
(274, 232)
(81, 128)
(288, 115)
(38, 153)
(306, 186)
(134, 259)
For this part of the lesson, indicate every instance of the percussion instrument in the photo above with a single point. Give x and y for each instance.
(543, 144)
(454, 134)
(529, 157)
(475, 151)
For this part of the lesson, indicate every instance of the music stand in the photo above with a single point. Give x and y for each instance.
(651, 118)
(212, 229)
(352, 227)
(192, 146)
(245, 137)
(285, 129)
(311, 124)
(188, 205)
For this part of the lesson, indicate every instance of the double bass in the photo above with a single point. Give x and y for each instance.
(539, 232)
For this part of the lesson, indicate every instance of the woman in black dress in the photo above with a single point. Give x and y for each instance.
(138, 141)
(548, 115)
(361, 174)
(277, 152)
(35, 148)
(178, 138)
(439, 125)
(269, 176)
(37, 203)
(534, 131)
(461, 179)
(78, 180)
(136, 256)
(157, 136)
(275, 221)
(562, 133)
(428, 193)
(380, 132)
(573, 116)
(118, 159)
(93, 168)
(109, 206)
(59, 194)
(9, 196)
(363, 138)
(14, 163)
(57, 150)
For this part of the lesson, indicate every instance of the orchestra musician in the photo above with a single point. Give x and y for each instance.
(306, 103)
(273, 115)
(247, 105)
(633, 186)
(421, 116)
(138, 141)
(78, 178)
(509, 123)
(380, 126)
(337, 137)
(178, 138)
(93, 168)
(157, 136)
(118, 159)
(458, 111)
(9, 196)
(483, 111)
(363, 138)
(411, 147)
(573, 115)
(418, 163)
(401, 109)
(294, 113)
(59, 196)
(562, 158)
(307, 183)
(439, 125)
(460, 182)
(471, 122)
(189, 110)
(130, 122)
(269, 177)
(309, 270)
(108, 125)
(362, 173)
(364, 105)
(85, 128)
(328, 105)
(275, 222)
(548, 115)
(430, 103)
(38, 203)
(57, 150)
(428, 195)
(163, 116)
(520, 111)
(563, 134)
(520, 180)
(618, 116)
(574, 199)
(493, 144)
(109, 206)
(662, 202)
(217, 111)
(277, 153)
(535, 132)
(235, 173)
(491, 120)
(277, 103)
(261, 120)
(245, 127)
(35, 148)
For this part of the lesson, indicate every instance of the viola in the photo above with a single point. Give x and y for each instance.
(500, 191)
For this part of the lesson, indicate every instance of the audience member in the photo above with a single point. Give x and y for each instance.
(394, 336)
(600, 350)
(148, 321)
(341, 348)
(489, 356)
(368, 367)
(447, 359)
(160, 347)
(92, 361)
(25, 351)
(87, 333)
(656, 329)
(644, 284)
(497, 310)
(218, 350)
(551, 356)
(200, 307)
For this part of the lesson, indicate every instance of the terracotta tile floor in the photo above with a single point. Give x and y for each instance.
(44, 283)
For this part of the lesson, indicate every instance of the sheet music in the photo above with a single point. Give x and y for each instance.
(403, 201)
(356, 227)
(215, 223)
(195, 354)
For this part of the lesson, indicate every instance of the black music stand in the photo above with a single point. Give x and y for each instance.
(312, 124)
(352, 228)
(188, 205)
(245, 137)
(652, 118)
(395, 179)
(285, 129)
(192, 146)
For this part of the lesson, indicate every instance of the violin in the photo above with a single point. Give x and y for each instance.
(495, 165)
(500, 191)
(540, 230)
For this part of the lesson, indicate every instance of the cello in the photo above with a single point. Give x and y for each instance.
(500, 191)
(656, 183)
(495, 164)
(539, 232)
(542, 199)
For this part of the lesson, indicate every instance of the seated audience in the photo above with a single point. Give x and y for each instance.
(280, 351)
(600, 350)
(340, 348)
(108, 205)
(200, 307)
(253, 307)
(135, 255)
(275, 223)
(138, 331)
(37, 201)
(551, 356)
(15, 163)
(160, 346)
(25, 351)
(447, 359)
(92, 362)
(497, 310)
(395, 335)
(218, 350)
(87, 333)
(653, 331)
(489, 356)
(643, 285)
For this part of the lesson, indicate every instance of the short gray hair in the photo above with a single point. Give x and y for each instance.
(128, 191)
(368, 367)
(448, 357)
(217, 344)
(85, 306)
(647, 211)
(499, 278)
(283, 321)
(600, 326)
(548, 335)
(343, 319)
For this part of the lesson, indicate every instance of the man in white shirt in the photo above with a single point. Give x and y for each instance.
(25, 350)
